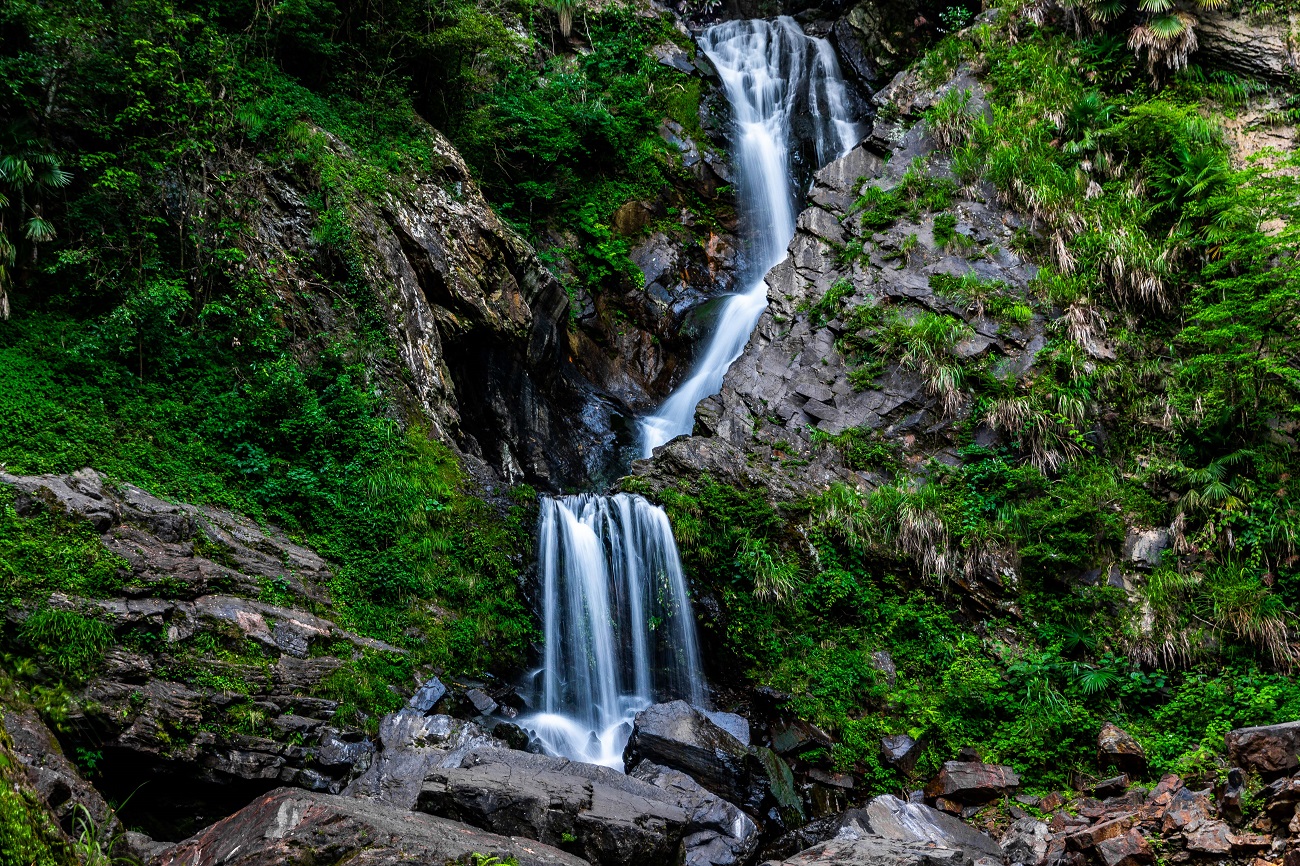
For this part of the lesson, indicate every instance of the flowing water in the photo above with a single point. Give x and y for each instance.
(617, 622)
(774, 75)
(618, 628)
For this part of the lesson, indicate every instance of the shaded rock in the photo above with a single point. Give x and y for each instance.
(1266, 749)
(611, 817)
(1254, 45)
(901, 752)
(1110, 787)
(971, 782)
(291, 826)
(1116, 748)
(1143, 547)
(791, 735)
(678, 736)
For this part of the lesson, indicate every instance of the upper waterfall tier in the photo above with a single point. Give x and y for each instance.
(617, 622)
(776, 77)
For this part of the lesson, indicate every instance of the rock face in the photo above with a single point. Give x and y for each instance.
(1268, 750)
(678, 736)
(610, 818)
(1261, 46)
(193, 573)
(478, 322)
(310, 829)
(794, 375)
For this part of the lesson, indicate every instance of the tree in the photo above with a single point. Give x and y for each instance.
(27, 170)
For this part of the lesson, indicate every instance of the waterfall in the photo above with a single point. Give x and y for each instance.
(617, 621)
(773, 74)
(618, 629)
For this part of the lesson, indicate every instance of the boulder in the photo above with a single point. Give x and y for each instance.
(1026, 842)
(1186, 811)
(1143, 547)
(972, 782)
(410, 745)
(892, 832)
(1130, 849)
(1116, 748)
(308, 829)
(643, 819)
(1210, 837)
(901, 752)
(1269, 750)
(678, 736)
(1111, 787)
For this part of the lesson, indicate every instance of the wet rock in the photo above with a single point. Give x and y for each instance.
(971, 782)
(678, 736)
(900, 821)
(733, 723)
(1266, 749)
(1116, 748)
(293, 826)
(610, 817)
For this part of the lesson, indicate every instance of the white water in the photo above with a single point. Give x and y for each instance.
(617, 624)
(771, 71)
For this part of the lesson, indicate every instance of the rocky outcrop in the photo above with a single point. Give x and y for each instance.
(1265, 46)
(794, 376)
(478, 323)
(311, 829)
(606, 816)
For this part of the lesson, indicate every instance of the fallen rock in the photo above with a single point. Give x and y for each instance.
(1210, 837)
(1116, 748)
(307, 829)
(901, 752)
(972, 782)
(1187, 810)
(410, 745)
(1269, 750)
(1111, 787)
(643, 819)
(1131, 849)
(678, 736)
(1026, 842)
(891, 832)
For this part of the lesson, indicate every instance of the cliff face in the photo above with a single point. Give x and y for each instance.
(477, 324)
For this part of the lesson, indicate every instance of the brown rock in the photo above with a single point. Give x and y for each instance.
(1090, 837)
(1244, 843)
(1110, 787)
(1116, 748)
(1269, 750)
(1187, 811)
(970, 782)
(1051, 802)
(1210, 837)
(1130, 849)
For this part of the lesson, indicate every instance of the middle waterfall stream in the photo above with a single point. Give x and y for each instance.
(618, 627)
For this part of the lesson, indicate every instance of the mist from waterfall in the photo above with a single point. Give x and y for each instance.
(772, 72)
(618, 628)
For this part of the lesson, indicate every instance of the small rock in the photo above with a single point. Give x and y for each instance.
(901, 752)
(1118, 749)
(1026, 842)
(482, 701)
(1051, 802)
(1111, 787)
(1131, 849)
(512, 735)
(1143, 547)
(427, 695)
(1210, 837)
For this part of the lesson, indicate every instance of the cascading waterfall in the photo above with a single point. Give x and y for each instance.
(617, 618)
(772, 72)
(617, 623)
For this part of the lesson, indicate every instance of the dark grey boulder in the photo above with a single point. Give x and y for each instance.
(291, 826)
(646, 819)
(678, 736)
(410, 745)
(427, 696)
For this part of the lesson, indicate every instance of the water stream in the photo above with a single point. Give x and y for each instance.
(774, 76)
(618, 626)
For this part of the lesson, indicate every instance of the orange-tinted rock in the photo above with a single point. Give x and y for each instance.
(1267, 749)
(1116, 748)
(970, 782)
(1130, 849)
